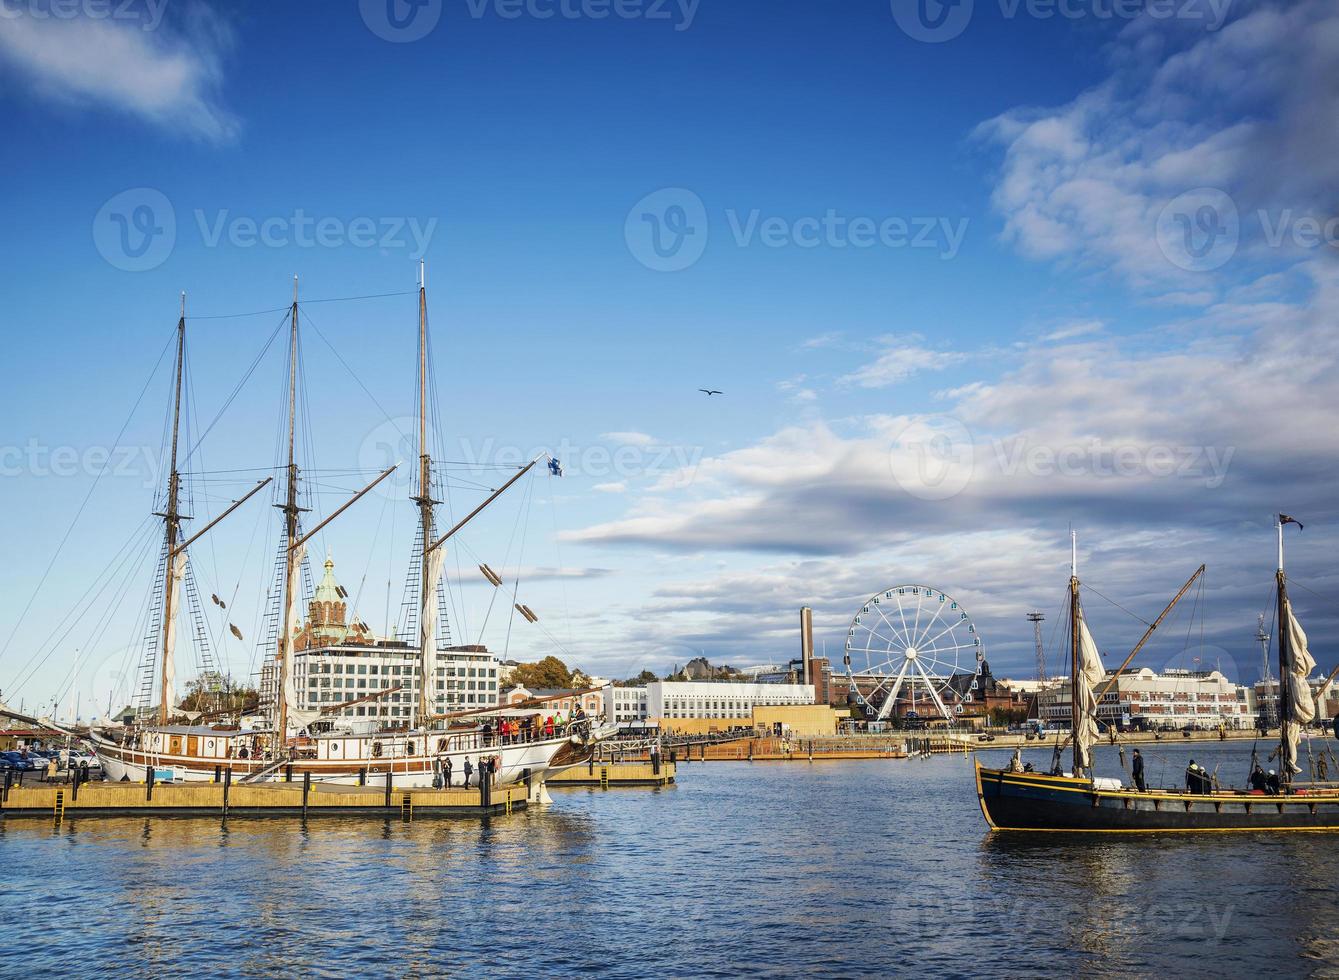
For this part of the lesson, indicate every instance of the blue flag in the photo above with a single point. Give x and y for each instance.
(555, 466)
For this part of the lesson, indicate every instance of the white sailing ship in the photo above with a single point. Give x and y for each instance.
(299, 739)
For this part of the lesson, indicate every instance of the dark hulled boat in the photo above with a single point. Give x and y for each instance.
(1016, 800)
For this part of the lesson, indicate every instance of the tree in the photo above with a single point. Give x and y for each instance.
(641, 680)
(214, 693)
(548, 673)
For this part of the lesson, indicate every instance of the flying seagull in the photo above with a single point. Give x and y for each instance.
(709, 392)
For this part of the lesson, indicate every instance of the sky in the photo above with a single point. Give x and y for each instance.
(969, 276)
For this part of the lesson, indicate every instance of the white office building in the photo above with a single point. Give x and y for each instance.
(672, 700)
(336, 661)
(625, 706)
(1202, 699)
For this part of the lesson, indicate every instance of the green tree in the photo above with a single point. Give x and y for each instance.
(548, 673)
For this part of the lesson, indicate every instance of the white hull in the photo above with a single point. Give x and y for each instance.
(407, 771)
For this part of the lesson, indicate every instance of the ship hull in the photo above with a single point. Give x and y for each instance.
(1034, 802)
(515, 763)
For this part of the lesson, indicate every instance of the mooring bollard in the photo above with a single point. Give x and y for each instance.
(288, 773)
(227, 785)
(74, 785)
(306, 792)
(485, 788)
(362, 776)
(9, 781)
(149, 774)
(389, 778)
(218, 771)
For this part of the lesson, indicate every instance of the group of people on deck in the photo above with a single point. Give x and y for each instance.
(511, 731)
(1265, 782)
(487, 769)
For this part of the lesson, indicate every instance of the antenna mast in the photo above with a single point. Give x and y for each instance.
(1036, 617)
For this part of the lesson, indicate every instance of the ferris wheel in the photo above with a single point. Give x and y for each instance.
(908, 642)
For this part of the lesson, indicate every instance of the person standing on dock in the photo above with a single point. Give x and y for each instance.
(446, 771)
(469, 768)
(1137, 769)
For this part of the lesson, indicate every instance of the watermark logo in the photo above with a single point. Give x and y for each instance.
(1206, 465)
(932, 21)
(148, 14)
(401, 21)
(667, 231)
(42, 461)
(1199, 230)
(933, 458)
(136, 230)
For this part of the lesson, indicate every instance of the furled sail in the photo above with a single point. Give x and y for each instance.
(298, 718)
(1298, 665)
(1090, 674)
(170, 638)
(427, 620)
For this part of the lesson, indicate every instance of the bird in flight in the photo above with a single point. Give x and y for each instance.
(710, 391)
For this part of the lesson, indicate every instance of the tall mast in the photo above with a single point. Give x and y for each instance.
(1285, 706)
(171, 521)
(424, 498)
(290, 522)
(1074, 649)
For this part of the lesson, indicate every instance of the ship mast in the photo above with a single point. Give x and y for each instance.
(290, 509)
(172, 523)
(1074, 650)
(424, 498)
(1285, 701)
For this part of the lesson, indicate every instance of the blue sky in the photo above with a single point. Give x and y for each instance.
(1067, 253)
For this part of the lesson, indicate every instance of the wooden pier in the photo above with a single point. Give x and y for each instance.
(606, 774)
(58, 801)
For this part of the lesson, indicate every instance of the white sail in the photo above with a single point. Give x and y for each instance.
(1298, 667)
(427, 621)
(298, 718)
(1090, 674)
(170, 627)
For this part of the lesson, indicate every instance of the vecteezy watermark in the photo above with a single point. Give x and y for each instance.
(936, 458)
(936, 21)
(933, 458)
(401, 21)
(395, 441)
(148, 14)
(1207, 465)
(1199, 230)
(668, 230)
(37, 459)
(137, 229)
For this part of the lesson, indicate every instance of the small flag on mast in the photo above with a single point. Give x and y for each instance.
(555, 466)
(1285, 519)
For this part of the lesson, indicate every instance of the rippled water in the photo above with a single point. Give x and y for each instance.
(742, 869)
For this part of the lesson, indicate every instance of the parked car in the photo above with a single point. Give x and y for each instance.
(20, 762)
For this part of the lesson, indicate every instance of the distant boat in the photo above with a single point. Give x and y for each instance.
(1013, 799)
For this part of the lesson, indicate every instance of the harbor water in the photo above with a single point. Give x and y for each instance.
(763, 869)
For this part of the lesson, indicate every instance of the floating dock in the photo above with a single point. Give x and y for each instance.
(606, 774)
(58, 801)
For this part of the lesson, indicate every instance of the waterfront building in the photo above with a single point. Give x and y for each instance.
(338, 660)
(1266, 696)
(1143, 699)
(670, 701)
(625, 706)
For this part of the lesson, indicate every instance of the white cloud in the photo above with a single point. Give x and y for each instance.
(167, 76)
(629, 438)
(1239, 110)
(900, 362)
(610, 488)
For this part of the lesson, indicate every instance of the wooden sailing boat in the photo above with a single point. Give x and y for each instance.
(292, 746)
(1015, 800)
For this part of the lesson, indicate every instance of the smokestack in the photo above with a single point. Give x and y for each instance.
(807, 642)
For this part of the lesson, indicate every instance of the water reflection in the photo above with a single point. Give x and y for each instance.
(829, 868)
